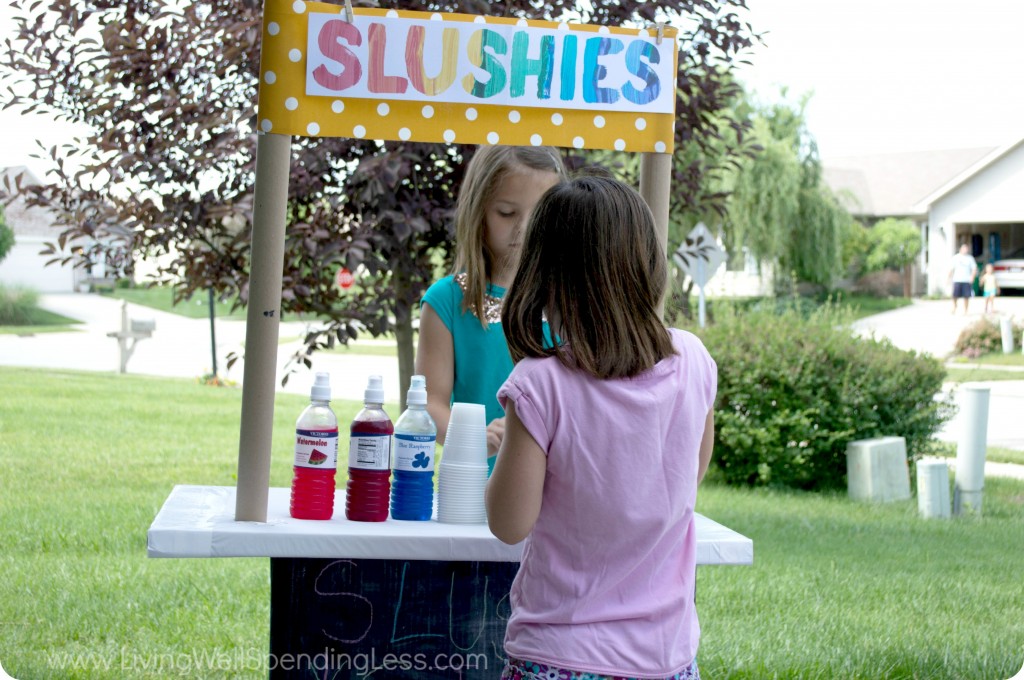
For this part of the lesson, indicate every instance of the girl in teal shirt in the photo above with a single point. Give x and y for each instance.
(462, 351)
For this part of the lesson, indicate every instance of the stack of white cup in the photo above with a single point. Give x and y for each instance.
(462, 472)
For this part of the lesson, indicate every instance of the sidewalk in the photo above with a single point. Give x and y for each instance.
(181, 348)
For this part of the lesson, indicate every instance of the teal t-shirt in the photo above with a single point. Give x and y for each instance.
(482, 361)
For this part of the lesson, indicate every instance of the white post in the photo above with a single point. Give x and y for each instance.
(970, 452)
(701, 306)
(933, 488)
(1006, 326)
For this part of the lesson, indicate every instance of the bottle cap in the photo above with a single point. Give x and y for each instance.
(374, 390)
(417, 391)
(321, 390)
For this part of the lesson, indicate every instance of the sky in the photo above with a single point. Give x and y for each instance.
(884, 75)
(895, 75)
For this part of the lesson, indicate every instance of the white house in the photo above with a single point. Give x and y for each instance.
(973, 196)
(32, 228)
(982, 206)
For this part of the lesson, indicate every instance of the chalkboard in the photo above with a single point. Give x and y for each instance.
(340, 619)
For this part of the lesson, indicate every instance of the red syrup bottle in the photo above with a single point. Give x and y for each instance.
(369, 458)
(316, 455)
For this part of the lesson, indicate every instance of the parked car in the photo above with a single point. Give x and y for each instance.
(1009, 271)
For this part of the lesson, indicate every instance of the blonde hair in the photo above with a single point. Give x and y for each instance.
(592, 260)
(488, 167)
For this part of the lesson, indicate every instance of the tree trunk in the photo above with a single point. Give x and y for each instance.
(908, 273)
(403, 333)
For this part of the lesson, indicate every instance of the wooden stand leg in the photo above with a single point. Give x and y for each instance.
(655, 185)
(273, 156)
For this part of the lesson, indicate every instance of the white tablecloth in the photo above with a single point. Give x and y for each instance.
(198, 521)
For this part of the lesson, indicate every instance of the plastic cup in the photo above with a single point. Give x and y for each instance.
(464, 413)
(460, 493)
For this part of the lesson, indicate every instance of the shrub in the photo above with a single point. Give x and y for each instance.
(885, 283)
(6, 238)
(984, 336)
(17, 305)
(794, 389)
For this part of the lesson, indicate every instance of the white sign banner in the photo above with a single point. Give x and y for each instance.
(434, 60)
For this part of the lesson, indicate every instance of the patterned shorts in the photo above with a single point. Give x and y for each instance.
(517, 669)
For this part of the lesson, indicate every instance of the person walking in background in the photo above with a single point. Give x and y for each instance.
(962, 273)
(607, 435)
(988, 287)
(461, 350)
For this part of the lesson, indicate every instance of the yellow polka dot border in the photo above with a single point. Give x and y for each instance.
(284, 108)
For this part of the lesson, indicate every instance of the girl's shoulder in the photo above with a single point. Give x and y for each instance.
(685, 340)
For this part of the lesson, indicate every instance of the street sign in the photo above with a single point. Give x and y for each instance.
(699, 256)
(344, 278)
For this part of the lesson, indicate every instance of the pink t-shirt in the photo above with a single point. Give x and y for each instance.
(607, 577)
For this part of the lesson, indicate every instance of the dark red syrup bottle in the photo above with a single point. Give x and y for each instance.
(369, 458)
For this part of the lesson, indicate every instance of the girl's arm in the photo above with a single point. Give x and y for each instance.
(435, 361)
(707, 443)
(516, 487)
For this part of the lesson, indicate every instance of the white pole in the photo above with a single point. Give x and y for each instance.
(700, 290)
(970, 453)
(701, 305)
(1006, 326)
(933, 488)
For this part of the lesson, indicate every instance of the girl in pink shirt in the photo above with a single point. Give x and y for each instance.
(607, 436)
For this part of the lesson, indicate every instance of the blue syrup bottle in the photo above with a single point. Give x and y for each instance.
(412, 488)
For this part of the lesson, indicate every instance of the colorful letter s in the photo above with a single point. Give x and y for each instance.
(329, 41)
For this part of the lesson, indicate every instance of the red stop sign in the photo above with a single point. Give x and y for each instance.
(345, 278)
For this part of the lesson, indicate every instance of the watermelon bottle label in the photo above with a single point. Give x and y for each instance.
(414, 452)
(316, 449)
(370, 451)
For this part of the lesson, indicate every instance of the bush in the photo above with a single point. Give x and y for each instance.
(793, 389)
(6, 239)
(984, 336)
(17, 305)
(885, 283)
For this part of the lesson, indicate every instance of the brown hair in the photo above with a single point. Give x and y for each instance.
(591, 260)
(487, 168)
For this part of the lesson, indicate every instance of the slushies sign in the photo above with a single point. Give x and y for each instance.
(458, 78)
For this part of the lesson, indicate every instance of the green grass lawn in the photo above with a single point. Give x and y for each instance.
(162, 298)
(959, 375)
(866, 305)
(838, 589)
(41, 321)
(383, 347)
(986, 367)
(858, 305)
(995, 454)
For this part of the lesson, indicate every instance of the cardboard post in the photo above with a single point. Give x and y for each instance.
(655, 184)
(273, 160)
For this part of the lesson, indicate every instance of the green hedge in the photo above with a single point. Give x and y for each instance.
(984, 336)
(17, 305)
(794, 388)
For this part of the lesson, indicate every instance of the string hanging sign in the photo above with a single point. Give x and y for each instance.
(456, 78)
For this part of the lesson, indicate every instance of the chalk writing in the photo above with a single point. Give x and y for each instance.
(422, 611)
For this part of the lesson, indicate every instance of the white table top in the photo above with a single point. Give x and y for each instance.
(198, 521)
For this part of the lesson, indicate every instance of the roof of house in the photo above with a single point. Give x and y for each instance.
(895, 184)
(961, 178)
(22, 219)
